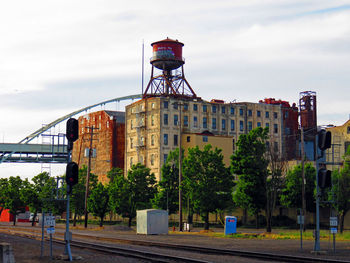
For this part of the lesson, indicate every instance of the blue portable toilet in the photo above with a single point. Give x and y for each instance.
(230, 225)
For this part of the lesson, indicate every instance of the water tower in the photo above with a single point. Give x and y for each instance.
(170, 80)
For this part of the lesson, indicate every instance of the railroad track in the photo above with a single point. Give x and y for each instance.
(97, 245)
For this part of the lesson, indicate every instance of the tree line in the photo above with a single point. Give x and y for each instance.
(255, 181)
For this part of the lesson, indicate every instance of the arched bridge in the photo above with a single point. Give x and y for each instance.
(23, 151)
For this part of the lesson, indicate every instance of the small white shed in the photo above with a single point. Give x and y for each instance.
(151, 222)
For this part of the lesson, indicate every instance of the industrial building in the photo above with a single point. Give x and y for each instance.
(170, 114)
(103, 132)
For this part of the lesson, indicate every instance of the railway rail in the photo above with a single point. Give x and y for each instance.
(107, 245)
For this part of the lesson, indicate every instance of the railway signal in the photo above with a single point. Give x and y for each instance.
(324, 178)
(72, 175)
(324, 139)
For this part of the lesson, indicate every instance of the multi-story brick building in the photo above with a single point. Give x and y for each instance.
(153, 126)
(108, 142)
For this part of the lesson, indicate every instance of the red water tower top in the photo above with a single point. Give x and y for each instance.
(167, 54)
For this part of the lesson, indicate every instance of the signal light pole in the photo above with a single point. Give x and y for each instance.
(324, 141)
(72, 134)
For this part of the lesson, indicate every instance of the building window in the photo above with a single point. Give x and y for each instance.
(165, 157)
(204, 108)
(186, 121)
(258, 113)
(267, 125)
(232, 125)
(176, 119)
(240, 112)
(152, 105)
(287, 131)
(241, 125)
(348, 129)
(250, 125)
(175, 139)
(142, 141)
(131, 124)
(213, 123)
(165, 119)
(286, 114)
(267, 114)
(233, 144)
(275, 146)
(258, 124)
(275, 128)
(175, 105)
(107, 124)
(152, 120)
(205, 122)
(267, 146)
(141, 159)
(195, 121)
(275, 115)
(152, 139)
(213, 108)
(131, 161)
(195, 107)
(186, 106)
(166, 104)
(223, 110)
(165, 141)
(250, 113)
(205, 138)
(152, 159)
(131, 143)
(188, 138)
(232, 111)
(223, 124)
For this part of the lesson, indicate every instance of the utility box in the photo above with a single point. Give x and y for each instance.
(152, 222)
(230, 225)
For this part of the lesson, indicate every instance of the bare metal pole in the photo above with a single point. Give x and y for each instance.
(143, 62)
(303, 176)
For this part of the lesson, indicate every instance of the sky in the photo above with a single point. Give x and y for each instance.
(60, 56)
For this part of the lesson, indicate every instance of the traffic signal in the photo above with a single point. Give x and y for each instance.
(324, 139)
(324, 178)
(72, 130)
(72, 175)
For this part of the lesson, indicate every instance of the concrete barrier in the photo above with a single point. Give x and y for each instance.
(6, 253)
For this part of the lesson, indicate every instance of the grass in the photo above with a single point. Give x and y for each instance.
(285, 234)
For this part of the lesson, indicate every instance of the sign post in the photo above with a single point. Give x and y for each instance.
(333, 223)
(301, 221)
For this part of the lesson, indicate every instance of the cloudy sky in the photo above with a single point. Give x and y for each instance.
(59, 56)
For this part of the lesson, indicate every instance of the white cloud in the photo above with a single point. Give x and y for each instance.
(58, 56)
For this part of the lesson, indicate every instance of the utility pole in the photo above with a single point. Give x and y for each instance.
(88, 175)
(180, 170)
(303, 177)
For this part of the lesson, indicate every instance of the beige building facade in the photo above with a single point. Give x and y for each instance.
(153, 127)
(340, 143)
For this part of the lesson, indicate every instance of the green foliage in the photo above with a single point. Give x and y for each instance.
(133, 192)
(98, 202)
(341, 189)
(250, 165)
(207, 181)
(291, 193)
(168, 195)
(13, 198)
(37, 195)
(77, 200)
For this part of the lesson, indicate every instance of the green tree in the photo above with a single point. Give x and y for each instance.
(14, 202)
(168, 194)
(251, 166)
(77, 200)
(133, 192)
(3, 196)
(341, 189)
(291, 192)
(207, 181)
(37, 195)
(98, 202)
